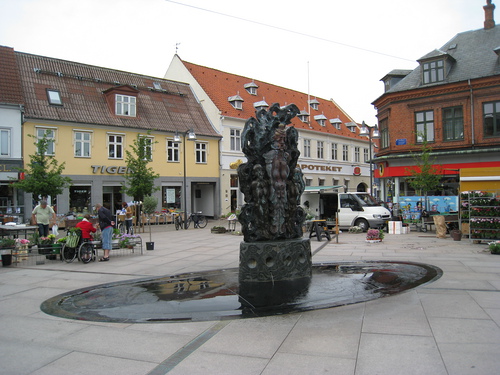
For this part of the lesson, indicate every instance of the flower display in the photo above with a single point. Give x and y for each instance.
(374, 234)
(126, 239)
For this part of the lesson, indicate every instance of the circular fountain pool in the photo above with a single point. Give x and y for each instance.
(215, 295)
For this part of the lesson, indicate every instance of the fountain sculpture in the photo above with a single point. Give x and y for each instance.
(275, 261)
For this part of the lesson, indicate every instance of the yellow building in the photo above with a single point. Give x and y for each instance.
(93, 116)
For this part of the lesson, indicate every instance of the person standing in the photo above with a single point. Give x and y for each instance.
(106, 224)
(43, 215)
(128, 216)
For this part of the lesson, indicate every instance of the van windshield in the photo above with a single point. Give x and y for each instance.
(366, 200)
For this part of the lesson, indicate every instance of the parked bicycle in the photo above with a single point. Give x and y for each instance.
(198, 219)
(178, 222)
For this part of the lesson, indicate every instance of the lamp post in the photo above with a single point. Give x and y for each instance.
(367, 132)
(191, 136)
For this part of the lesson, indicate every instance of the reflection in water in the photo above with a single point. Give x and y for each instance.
(215, 295)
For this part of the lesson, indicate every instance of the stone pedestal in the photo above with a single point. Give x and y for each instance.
(265, 261)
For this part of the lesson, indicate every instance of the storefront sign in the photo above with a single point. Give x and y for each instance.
(112, 169)
(326, 168)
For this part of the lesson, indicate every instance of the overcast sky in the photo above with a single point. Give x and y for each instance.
(336, 49)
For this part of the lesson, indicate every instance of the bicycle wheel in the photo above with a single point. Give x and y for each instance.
(202, 221)
(188, 222)
(177, 223)
(68, 253)
(86, 252)
(122, 228)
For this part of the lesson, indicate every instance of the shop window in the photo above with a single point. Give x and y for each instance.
(171, 197)
(79, 199)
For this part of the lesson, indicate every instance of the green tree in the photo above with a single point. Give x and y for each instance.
(424, 176)
(43, 174)
(140, 179)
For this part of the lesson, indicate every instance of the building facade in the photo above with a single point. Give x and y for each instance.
(333, 153)
(451, 101)
(93, 115)
(11, 109)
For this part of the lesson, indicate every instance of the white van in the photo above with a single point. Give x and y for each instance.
(353, 209)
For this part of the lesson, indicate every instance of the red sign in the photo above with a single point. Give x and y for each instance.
(357, 171)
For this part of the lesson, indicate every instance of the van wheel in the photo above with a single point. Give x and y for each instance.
(362, 223)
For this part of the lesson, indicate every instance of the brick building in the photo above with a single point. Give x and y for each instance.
(451, 100)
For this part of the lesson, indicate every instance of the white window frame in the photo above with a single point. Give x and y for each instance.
(173, 151)
(83, 142)
(357, 154)
(201, 152)
(237, 104)
(320, 149)
(149, 146)
(116, 145)
(5, 142)
(366, 157)
(235, 139)
(345, 152)
(125, 105)
(335, 151)
(307, 148)
(40, 131)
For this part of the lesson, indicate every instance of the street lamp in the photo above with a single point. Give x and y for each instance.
(367, 132)
(191, 136)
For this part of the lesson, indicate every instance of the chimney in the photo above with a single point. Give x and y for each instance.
(489, 22)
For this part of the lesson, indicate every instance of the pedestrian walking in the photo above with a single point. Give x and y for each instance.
(106, 223)
(43, 216)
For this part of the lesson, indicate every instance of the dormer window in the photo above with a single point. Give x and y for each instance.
(336, 122)
(236, 101)
(125, 105)
(303, 116)
(321, 119)
(314, 104)
(260, 105)
(54, 97)
(351, 126)
(433, 71)
(251, 88)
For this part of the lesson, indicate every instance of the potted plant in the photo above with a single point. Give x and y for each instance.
(6, 246)
(218, 229)
(149, 207)
(494, 247)
(128, 240)
(45, 244)
(22, 248)
(374, 235)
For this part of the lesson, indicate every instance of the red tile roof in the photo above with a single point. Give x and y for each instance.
(220, 85)
(173, 107)
(10, 82)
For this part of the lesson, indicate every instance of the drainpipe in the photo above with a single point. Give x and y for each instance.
(473, 141)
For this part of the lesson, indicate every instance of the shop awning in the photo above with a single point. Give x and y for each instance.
(321, 189)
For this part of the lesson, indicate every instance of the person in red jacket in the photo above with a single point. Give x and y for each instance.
(86, 227)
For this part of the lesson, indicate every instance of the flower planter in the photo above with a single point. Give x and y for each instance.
(373, 241)
(45, 249)
(456, 235)
(6, 260)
